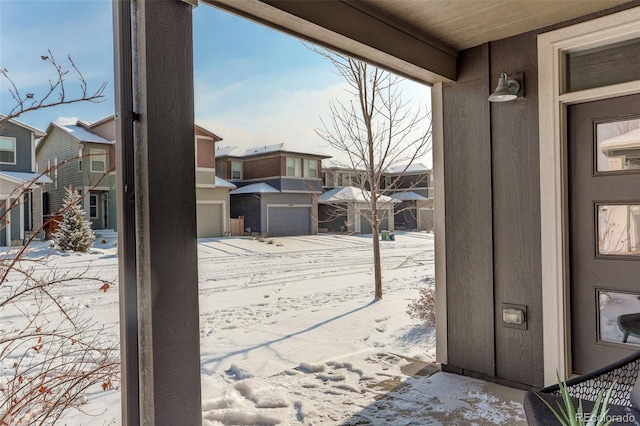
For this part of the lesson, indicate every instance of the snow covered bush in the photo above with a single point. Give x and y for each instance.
(424, 308)
(74, 233)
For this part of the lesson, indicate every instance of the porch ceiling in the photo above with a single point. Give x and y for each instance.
(462, 24)
(417, 38)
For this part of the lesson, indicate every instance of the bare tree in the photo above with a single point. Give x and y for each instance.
(56, 94)
(53, 354)
(376, 130)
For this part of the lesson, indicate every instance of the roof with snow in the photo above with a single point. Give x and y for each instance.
(407, 169)
(221, 183)
(629, 140)
(331, 164)
(238, 152)
(350, 194)
(255, 188)
(408, 196)
(82, 134)
(24, 177)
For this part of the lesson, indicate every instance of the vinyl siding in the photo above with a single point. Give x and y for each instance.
(58, 144)
(23, 147)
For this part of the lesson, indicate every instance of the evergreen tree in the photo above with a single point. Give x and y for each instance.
(74, 233)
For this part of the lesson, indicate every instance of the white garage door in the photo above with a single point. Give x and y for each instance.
(210, 220)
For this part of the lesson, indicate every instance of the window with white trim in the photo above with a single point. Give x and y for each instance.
(7, 150)
(93, 206)
(80, 159)
(311, 168)
(294, 167)
(98, 160)
(236, 170)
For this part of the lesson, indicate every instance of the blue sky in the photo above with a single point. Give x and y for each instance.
(253, 85)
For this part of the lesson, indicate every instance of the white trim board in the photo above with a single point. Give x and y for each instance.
(439, 226)
(553, 174)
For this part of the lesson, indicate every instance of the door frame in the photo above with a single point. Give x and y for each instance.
(554, 218)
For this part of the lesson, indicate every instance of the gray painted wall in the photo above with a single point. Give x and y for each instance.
(247, 205)
(492, 214)
(58, 144)
(469, 233)
(23, 147)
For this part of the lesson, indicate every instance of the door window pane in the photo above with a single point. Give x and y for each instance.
(602, 66)
(93, 206)
(619, 317)
(618, 145)
(619, 229)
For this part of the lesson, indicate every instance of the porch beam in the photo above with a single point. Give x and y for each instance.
(355, 29)
(125, 181)
(166, 275)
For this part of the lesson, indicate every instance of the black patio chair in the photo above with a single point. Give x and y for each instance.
(624, 405)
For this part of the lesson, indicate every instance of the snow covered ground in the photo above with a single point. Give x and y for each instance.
(290, 335)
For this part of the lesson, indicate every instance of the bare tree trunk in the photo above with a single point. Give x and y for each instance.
(377, 264)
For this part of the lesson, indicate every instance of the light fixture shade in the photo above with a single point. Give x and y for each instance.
(507, 90)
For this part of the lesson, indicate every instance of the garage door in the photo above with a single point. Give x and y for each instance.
(365, 225)
(289, 221)
(210, 219)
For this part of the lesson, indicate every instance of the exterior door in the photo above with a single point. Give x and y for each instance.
(209, 219)
(604, 214)
(105, 210)
(284, 221)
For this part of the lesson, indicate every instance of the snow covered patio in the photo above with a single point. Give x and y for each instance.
(289, 335)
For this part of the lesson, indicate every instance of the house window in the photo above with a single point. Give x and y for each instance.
(387, 181)
(349, 179)
(7, 150)
(93, 206)
(80, 160)
(236, 170)
(98, 161)
(311, 168)
(294, 167)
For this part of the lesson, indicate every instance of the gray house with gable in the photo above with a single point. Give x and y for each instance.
(20, 183)
(77, 155)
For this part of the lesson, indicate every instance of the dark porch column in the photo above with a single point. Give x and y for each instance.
(165, 256)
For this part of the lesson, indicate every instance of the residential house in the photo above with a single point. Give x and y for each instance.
(409, 185)
(348, 209)
(412, 186)
(336, 174)
(74, 155)
(20, 183)
(278, 188)
(517, 276)
(82, 155)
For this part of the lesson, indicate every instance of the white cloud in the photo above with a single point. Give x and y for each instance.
(66, 121)
(256, 112)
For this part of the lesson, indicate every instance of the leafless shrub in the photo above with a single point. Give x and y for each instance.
(424, 308)
(54, 354)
